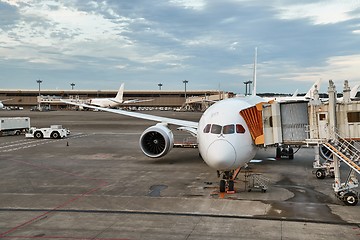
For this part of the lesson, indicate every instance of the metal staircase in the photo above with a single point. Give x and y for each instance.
(345, 151)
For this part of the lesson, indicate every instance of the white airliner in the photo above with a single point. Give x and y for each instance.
(309, 95)
(223, 136)
(224, 139)
(113, 102)
(2, 104)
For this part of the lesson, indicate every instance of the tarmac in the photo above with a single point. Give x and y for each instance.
(97, 184)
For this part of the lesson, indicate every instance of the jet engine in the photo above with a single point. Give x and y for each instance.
(156, 141)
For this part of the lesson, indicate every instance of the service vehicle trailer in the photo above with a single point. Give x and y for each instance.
(14, 125)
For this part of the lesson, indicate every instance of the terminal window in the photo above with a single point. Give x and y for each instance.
(353, 117)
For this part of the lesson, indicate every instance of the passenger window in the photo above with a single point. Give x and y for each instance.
(207, 128)
(228, 129)
(216, 129)
(240, 128)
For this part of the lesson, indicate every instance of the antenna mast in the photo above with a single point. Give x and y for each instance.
(254, 73)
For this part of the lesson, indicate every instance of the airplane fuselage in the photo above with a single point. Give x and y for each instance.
(224, 140)
(103, 102)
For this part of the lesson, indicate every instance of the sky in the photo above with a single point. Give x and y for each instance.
(97, 45)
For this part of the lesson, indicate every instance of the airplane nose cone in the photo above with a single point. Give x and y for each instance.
(221, 155)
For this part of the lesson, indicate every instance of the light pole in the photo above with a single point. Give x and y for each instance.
(72, 86)
(39, 98)
(160, 85)
(185, 82)
(246, 87)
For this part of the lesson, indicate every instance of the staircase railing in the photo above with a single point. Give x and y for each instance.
(345, 150)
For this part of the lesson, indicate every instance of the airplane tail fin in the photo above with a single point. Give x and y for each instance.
(119, 95)
(354, 91)
(310, 93)
(254, 73)
(295, 93)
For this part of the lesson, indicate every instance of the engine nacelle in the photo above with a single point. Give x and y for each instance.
(156, 141)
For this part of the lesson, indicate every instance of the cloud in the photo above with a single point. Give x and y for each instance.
(206, 42)
(190, 4)
(337, 68)
(8, 15)
(321, 12)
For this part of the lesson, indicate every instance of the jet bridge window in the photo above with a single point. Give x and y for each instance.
(353, 117)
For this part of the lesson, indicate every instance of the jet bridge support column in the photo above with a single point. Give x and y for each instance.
(328, 168)
(332, 131)
(332, 110)
(337, 183)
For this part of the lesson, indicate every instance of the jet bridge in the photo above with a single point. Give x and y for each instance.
(332, 126)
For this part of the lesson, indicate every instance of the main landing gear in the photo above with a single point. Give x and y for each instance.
(227, 181)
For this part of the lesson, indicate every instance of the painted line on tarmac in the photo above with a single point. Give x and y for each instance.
(14, 142)
(30, 143)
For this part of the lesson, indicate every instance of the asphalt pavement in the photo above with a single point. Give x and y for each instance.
(97, 184)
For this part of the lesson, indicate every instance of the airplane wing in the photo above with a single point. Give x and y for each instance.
(137, 101)
(183, 123)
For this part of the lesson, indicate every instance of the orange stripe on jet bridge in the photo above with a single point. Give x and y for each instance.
(253, 119)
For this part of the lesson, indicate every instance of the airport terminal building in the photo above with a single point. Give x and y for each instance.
(159, 98)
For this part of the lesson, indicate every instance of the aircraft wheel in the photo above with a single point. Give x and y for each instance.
(38, 135)
(231, 185)
(320, 174)
(350, 199)
(222, 185)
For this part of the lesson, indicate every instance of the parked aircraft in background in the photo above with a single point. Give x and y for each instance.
(309, 95)
(354, 91)
(113, 102)
(2, 104)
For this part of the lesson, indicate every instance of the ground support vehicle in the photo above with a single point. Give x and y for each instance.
(54, 131)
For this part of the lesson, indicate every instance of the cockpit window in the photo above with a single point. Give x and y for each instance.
(240, 128)
(207, 128)
(229, 129)
(216, 129)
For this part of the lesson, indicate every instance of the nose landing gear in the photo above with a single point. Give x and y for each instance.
(227, 181)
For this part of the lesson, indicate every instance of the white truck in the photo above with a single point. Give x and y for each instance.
(54, 131)
(14, 125)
